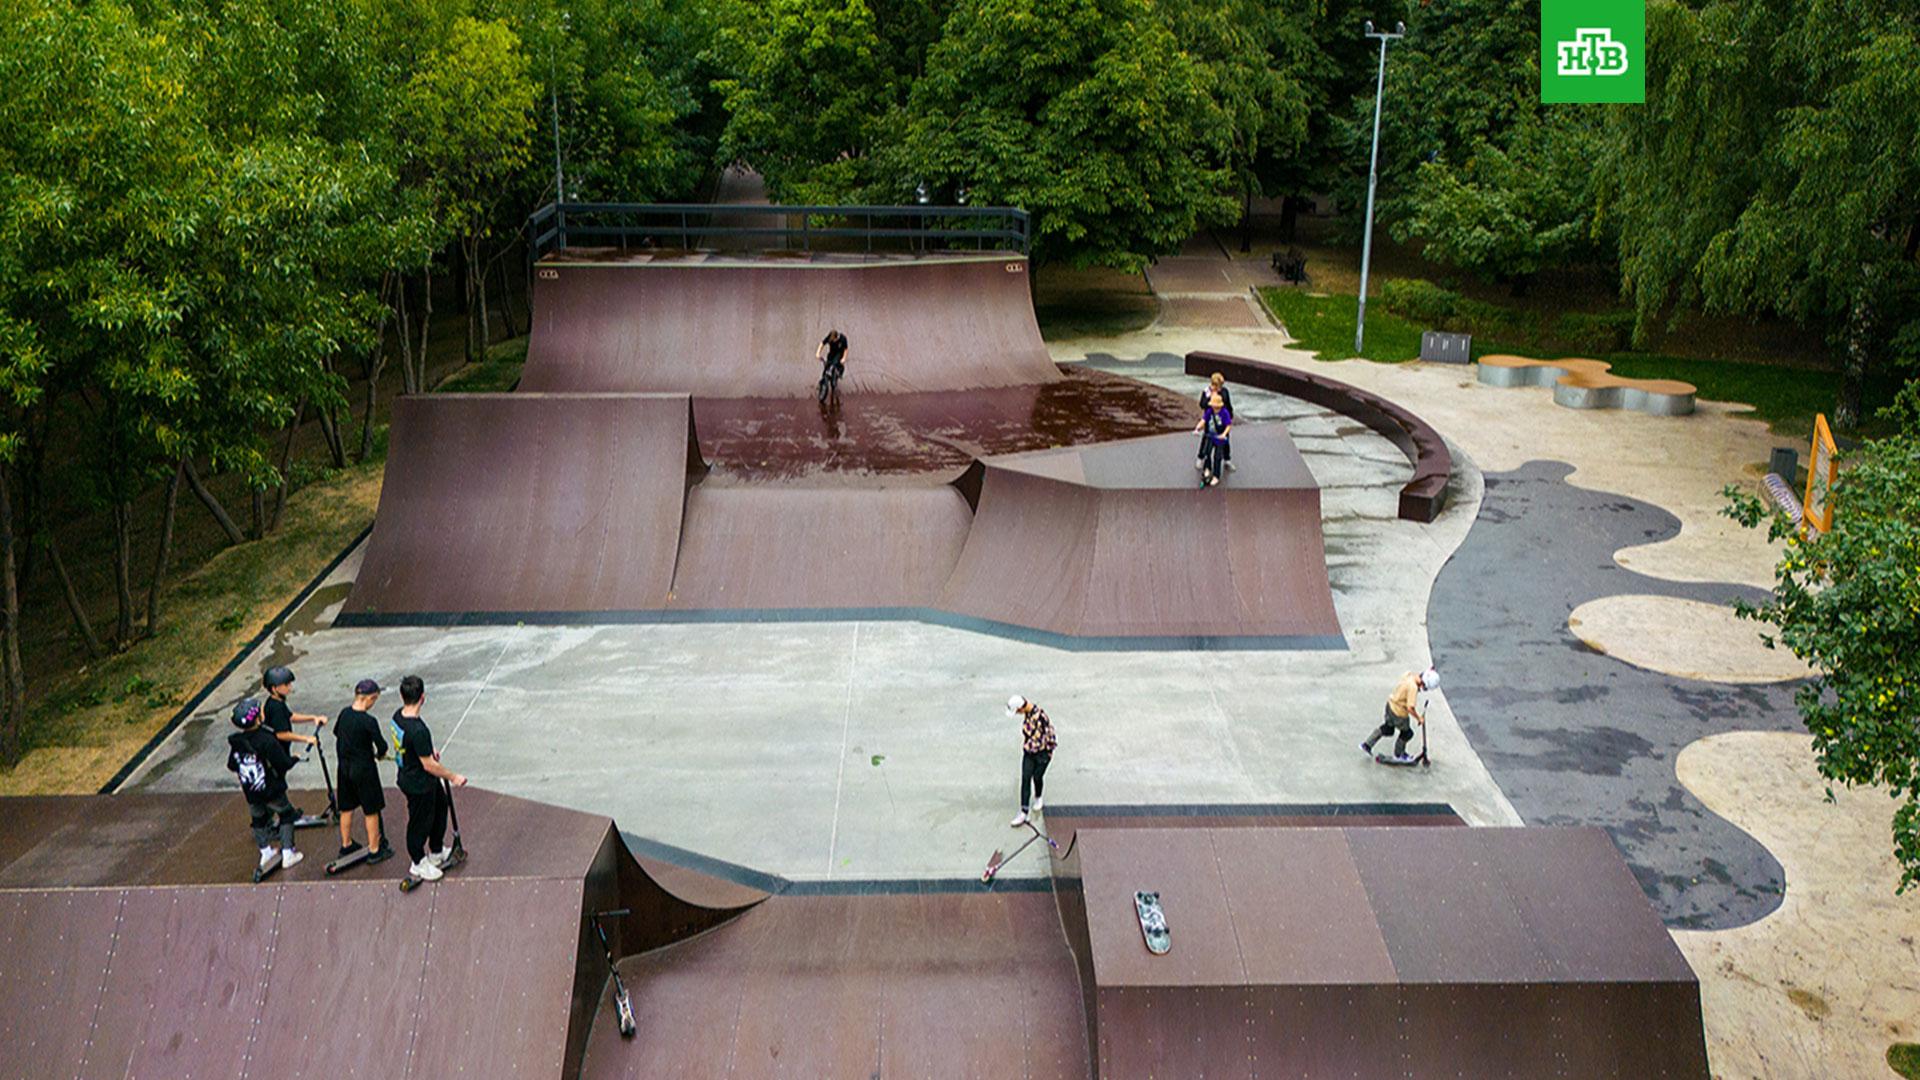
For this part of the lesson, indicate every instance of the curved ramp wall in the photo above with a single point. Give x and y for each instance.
(749, 329)
(508, 503)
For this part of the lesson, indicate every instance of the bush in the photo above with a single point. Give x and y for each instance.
(1604, 333)
(1422, 301)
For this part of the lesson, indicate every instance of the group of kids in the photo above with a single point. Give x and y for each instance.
(259, 755)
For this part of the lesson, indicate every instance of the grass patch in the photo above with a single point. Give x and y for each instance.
(1323, 325)
(1904, 1058)
(83, 724)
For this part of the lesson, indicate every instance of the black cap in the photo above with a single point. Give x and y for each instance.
(366, 686)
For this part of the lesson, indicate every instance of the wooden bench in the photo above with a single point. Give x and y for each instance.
(1291, 265)
(1590, 384)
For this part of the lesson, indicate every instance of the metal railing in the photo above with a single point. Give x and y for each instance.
(704, 226)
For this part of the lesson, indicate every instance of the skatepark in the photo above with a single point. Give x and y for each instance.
(733, 660)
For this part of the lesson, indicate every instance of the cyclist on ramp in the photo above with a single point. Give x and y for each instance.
(832, 355)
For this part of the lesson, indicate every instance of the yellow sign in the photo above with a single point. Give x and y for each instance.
(1822, 470)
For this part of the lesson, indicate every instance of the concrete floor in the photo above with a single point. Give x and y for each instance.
(880, 750)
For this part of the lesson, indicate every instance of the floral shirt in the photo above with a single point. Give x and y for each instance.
(1036, 732)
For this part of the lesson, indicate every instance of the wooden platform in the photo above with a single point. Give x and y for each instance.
(1590, 384)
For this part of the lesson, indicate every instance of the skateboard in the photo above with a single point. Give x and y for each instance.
(1153, 922)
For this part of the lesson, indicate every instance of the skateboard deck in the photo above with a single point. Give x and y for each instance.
(1153, 922)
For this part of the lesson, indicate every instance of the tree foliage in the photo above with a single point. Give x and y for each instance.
(1848, 603)
(1776, 169)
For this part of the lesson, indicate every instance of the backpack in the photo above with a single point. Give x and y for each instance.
(251, 770)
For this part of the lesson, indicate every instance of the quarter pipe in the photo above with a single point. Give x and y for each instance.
(717, 327)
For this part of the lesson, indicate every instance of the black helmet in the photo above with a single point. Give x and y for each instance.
(245, 712)
(277, 676)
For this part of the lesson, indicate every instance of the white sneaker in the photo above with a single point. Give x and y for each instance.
(1038, 802)
(1019, 819)
(1232, 466)
(267, 855)
(426, 871)
(439, 858)
(1199, 463)
(290, 859)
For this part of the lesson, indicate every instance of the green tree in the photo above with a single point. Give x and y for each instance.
(805, 85)
(1848, 603)
(467, 110)
(1772, 171)
(1085, 112)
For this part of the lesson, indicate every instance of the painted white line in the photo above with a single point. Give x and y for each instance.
(846, 728)
(475, 700)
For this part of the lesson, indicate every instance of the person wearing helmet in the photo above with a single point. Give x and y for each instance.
(1037, 741)
(260, 761)
(279, 716)
(1403, 711)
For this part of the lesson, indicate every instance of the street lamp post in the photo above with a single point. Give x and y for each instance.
(1373, 175)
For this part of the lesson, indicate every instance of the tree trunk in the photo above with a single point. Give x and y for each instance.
(80, 621)
(166, 548)
(1289, 217)
(286, 455)
(480, 298)
(375, 362)
(123, 573)
(234, 536)
(476, 311)
(1246, 218)
(506, 302)
(13, 710)
(330, 427)
(32, 496)
(409, 382)
(426, 324)
(1857, 358)
(257, 526)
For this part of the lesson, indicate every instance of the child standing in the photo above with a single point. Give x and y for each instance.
(1215, 427)
(359, 745)
(1037, 741)
(420, 777)
(260, 760)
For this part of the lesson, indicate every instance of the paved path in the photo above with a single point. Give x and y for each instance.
(1577, 737)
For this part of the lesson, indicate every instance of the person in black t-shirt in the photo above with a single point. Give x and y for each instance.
(279, 718)
(260, 761)
(832, 355)
(420, 777)
(358, 744)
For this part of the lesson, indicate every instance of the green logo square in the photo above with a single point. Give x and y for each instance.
(1593, 50)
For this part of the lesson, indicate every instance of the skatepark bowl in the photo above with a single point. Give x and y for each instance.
(663, 460)
(131, 944)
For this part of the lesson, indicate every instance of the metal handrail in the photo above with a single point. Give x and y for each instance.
(557, 226)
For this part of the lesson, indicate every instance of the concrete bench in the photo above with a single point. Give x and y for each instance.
(1590, 384)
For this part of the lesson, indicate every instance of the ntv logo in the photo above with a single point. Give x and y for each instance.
(1592, 52)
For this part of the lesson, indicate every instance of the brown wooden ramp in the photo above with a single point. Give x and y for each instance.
(511, 503)
(732, 327)
(1118, 541)
(1377, 952)
(129, 946)
(917, 985)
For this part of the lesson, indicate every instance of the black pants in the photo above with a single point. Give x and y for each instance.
(1033, 776)
(426, 821)
(265, 831)
(1214, 457)
(1389, 724)
(1226, 454)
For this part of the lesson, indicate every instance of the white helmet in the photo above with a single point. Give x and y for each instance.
(1015, 704)
(1430, 679)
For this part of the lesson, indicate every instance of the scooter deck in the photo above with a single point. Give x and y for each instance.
(458, 856)
(1384, 759)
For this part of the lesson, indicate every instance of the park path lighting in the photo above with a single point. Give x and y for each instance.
(1373, 174)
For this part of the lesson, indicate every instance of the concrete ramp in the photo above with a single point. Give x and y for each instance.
(105, 972)
(512, 503)
(1118, 541)
(717, 328)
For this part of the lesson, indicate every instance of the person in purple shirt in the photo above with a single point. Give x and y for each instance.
(1215, 427)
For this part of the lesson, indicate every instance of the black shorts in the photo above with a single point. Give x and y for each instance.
(360, 789)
